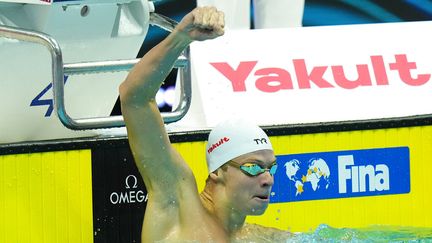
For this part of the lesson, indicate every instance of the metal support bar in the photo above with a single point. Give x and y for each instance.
(59, 70)
(111, 66)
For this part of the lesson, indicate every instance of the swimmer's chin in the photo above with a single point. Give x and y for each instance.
(260, 206)
(257, 212)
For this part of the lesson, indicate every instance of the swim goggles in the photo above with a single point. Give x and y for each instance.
(254, 169)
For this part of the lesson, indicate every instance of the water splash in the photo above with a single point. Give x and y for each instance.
(378, 233)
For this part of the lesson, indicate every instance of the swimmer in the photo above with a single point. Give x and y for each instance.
(240, 157)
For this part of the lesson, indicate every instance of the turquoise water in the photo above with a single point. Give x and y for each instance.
(325, 233)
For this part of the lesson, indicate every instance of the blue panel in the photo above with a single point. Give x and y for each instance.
(342, 174)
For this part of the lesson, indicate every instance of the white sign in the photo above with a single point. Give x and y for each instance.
(315, 74)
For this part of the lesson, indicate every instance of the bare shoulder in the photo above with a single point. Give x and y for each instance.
(258, 233)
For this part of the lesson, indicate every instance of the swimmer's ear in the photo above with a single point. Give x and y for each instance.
(218, 174)
(215, 175)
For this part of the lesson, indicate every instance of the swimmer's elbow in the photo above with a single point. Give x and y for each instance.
(127, 94)
(123, 92)
(131, 94)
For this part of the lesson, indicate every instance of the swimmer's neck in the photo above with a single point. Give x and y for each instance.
(230, 219)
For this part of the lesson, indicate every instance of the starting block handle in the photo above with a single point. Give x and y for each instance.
(59, 70)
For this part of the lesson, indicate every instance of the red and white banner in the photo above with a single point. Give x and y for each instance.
(315, 74)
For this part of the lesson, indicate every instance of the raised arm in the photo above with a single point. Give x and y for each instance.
(161, 167)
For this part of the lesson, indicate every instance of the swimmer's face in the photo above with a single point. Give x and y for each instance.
(250, 195)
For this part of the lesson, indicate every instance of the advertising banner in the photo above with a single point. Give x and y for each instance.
(315, 74)
(119, 196)
(342, 174)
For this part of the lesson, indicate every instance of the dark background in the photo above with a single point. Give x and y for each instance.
(316, 13)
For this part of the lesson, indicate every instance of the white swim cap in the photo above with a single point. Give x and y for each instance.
(232, 138)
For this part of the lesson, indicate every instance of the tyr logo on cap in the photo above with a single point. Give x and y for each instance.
(260, 140)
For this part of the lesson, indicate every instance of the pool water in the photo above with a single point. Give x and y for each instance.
(252, 233)
(325, 233)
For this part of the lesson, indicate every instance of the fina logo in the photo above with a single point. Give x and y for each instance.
(342, 174)
(378, 176)
(318, 174)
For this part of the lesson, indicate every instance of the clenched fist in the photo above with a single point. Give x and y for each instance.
(203, 23)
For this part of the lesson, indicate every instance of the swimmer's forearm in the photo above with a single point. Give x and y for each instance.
(145, 79)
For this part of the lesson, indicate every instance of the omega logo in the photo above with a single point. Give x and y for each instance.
(129, 196)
